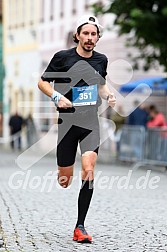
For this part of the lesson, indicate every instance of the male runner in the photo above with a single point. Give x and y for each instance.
(77, 105)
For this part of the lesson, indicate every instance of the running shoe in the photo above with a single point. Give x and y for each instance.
(80, 235)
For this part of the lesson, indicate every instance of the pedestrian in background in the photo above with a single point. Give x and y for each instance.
(139, 116)
(137, 120)
(156, 118)
(157, 136)
(78, 119)
(31, 131)
(16, 123)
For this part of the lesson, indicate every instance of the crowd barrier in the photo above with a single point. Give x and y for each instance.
(135, 144)
(143, 146)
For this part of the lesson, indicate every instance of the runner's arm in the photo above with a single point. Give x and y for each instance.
(106, 94)
(46, 88)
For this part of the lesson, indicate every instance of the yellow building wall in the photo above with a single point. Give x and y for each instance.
(21, 21)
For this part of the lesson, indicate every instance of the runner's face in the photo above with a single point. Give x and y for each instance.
(88, 37)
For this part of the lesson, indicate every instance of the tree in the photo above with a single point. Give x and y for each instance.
(146, 23)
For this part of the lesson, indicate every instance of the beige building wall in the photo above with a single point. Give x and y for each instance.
(21, 56)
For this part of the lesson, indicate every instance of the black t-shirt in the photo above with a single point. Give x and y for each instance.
(78, 71)
(16, 123)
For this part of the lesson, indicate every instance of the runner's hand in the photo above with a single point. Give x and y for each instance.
(64, 103)
(111, 100)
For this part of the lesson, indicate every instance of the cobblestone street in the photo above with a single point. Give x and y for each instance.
(37, 215)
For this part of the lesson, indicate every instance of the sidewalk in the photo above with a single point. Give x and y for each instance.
(37, 217)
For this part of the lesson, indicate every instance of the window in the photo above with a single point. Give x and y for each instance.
(10, 89)
(62, 32)
(52, 9)
(42, 10)
(15, 101)
(16, 68)
(10, 14)
(74, 7)
(19, 12)
(23, 9)
(51, 35)
(16, 13)
(31, 12)
(86, 4)
(69, 40)
(31, 101)
(22, 99)
(42, 36)
(62, 8)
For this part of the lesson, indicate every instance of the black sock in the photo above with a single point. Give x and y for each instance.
(84, 199)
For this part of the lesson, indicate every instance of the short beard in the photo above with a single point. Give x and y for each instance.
(87, 50)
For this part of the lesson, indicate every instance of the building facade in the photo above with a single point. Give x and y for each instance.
(21, 57)
(33, 32)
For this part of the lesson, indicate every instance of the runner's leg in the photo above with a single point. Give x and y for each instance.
(65, 175)
(66, 152)
(86, 191)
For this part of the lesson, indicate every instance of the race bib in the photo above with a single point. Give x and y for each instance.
(86, 95)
